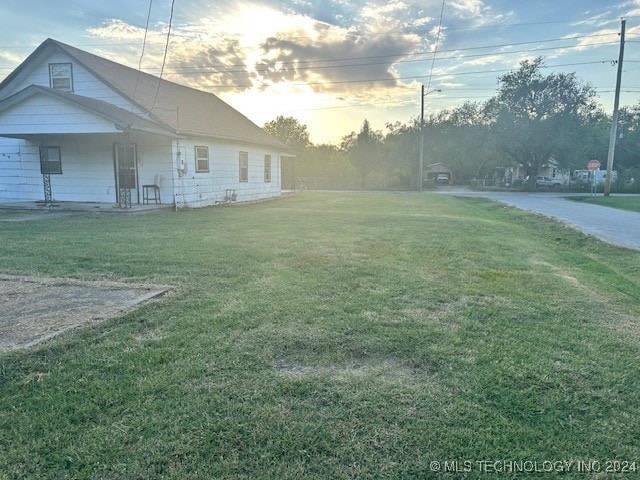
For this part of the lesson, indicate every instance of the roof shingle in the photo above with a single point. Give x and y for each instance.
(185, 110)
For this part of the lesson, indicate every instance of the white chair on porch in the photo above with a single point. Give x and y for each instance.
(154, 189)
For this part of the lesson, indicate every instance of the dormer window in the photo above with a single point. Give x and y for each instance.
(61, 76)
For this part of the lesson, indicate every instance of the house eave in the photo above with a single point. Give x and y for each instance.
(121, 120)
(162, 133)
(234, 139)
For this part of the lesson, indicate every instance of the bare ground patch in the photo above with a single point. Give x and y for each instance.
(385, 370)
(34, 309)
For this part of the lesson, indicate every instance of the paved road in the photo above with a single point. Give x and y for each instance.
(611, 225)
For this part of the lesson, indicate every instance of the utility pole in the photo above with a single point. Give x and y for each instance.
(421, 159)
(614, 118)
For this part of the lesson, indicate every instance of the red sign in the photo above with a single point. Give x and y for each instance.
(593, 165)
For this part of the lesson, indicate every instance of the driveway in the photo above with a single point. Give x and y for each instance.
(611, 225)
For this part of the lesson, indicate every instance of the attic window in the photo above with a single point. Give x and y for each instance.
(61, 76)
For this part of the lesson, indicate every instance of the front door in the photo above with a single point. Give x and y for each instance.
(126, 168)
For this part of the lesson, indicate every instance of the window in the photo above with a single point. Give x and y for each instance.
(202, 159)
(244, 167)
(267, 168)
(61, 76)
(50, 160)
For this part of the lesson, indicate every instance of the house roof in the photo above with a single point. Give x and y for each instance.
(121, 118)
(170, 106)
(438, 167)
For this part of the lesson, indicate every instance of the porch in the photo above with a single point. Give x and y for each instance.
(31, 207)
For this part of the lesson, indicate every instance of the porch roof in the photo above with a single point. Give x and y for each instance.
(121, 119)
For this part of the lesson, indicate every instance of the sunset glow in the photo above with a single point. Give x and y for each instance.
(332, 65)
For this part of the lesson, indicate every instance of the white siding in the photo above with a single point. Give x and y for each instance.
(154, 158)
(86, 143)
(20, 177)
(87, 169)
(201, 189)
(43, 114)
(84, 83)
(88, 172)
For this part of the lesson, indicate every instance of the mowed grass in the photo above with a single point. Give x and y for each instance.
(328, 336)
(631, 203)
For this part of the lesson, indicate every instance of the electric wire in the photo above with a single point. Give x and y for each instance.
(144, 43)
(164, 58)
(412, 57)
(435, 49)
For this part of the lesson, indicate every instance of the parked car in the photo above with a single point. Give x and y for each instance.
(442, 178)
(547, 182)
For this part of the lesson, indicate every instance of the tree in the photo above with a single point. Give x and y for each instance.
(627, 154)
(534, 118)
(289, 131)
(400, 153)
(363, 150)
(325, 161)
(458, 138)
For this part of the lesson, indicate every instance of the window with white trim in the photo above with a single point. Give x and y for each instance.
(61, 76)
(267, 168)
(244, 167)
(202, 159)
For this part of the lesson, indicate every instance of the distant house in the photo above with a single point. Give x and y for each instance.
(590, 177)
(78, 127)
(508, 176)
(439, 173)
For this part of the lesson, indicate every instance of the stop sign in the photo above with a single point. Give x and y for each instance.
(593, 165)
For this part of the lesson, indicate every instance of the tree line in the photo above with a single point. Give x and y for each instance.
(531, 119)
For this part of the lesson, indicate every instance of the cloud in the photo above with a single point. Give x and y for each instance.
(485, 60)
(338, 61)
(374, 57)
(11, 57)
(467, 8)
(263, 47)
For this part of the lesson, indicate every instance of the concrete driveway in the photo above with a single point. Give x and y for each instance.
(611, 225)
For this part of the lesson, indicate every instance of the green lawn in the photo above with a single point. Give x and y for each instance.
(623, 203)
(328, 336)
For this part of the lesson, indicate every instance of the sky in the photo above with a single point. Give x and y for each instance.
(332, 64)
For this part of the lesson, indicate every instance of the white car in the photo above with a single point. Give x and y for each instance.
(442, 178)
(547, 182)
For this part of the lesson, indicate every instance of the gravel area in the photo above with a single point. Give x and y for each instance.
(35, 309)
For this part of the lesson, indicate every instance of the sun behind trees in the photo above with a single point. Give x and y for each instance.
(532, 118)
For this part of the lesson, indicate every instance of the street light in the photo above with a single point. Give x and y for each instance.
(421, 160)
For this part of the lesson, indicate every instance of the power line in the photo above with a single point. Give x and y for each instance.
(435, 49)
(414, 77)
(199, 70)
(144, 43)
(406, 54)
(411, 54)
(164, 58)
(306, 64)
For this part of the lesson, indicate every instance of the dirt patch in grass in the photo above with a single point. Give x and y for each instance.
(35, 309)
(386, 370)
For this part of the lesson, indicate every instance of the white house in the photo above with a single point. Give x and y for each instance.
(517, 173)
(590, 177)
(78, 127)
